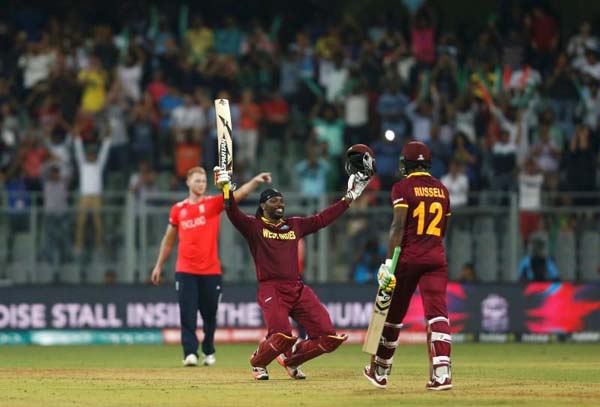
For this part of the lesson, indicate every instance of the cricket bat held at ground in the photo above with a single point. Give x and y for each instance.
(383, 300)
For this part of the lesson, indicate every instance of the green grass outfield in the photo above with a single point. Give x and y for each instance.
(484, 374)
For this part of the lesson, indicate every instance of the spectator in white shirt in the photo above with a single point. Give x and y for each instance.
(130, 73)
(457, 183)
(336, 80)
(188, 118)
(523, 78)
(59, 146)
(590, 104)
(590, 66)
(356, 115)
(91, 165)
(530, 198)
(37, 64)
(578, 44)
(547, 157)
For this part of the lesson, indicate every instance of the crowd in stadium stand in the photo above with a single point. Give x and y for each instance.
(515, 108)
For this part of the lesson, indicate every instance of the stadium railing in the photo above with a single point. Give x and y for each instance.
(486, 233)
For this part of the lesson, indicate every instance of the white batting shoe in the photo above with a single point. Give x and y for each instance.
(209, 360)
(190, 360)
(441, 379)
(376, 380)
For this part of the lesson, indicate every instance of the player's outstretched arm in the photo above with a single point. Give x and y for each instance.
(240, 220)
(242, 192)
(166, 246)
(310, 224)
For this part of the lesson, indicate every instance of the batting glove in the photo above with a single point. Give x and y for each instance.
(356, 185)
(385, 276)
(222, 177)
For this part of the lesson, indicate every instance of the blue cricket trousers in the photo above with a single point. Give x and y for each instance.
(198, 293)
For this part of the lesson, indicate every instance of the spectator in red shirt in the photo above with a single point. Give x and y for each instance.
(32, 155)
(188, 154)
(275, 114)
(157, 88)
(195, 221)
(544, 36)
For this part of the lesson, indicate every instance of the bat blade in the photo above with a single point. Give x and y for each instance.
(383, 301)
(381, 308)
(224, 140)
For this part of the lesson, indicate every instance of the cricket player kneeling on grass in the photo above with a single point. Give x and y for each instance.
(273, 241)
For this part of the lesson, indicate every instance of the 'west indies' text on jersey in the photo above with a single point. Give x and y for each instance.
(198, 230)
(274, 246)
(428, 206)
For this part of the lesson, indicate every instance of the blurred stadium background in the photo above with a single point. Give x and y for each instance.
(505, 93)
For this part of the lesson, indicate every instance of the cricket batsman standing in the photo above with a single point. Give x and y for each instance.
(195, 221)
(421, 209)
(273, 242)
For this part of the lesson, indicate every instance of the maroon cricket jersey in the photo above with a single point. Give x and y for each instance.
(274, 246)
(428, 204)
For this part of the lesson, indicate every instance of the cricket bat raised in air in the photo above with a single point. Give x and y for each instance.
(224, 141)
(383, 300)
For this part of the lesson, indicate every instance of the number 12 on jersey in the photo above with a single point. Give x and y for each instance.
(434, 226)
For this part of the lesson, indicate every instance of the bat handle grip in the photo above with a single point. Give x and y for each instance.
(395, 258)
(226, 195)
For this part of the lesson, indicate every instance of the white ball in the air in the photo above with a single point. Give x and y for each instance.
(389, 135)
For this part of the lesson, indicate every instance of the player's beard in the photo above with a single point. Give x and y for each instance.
(276, 213)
